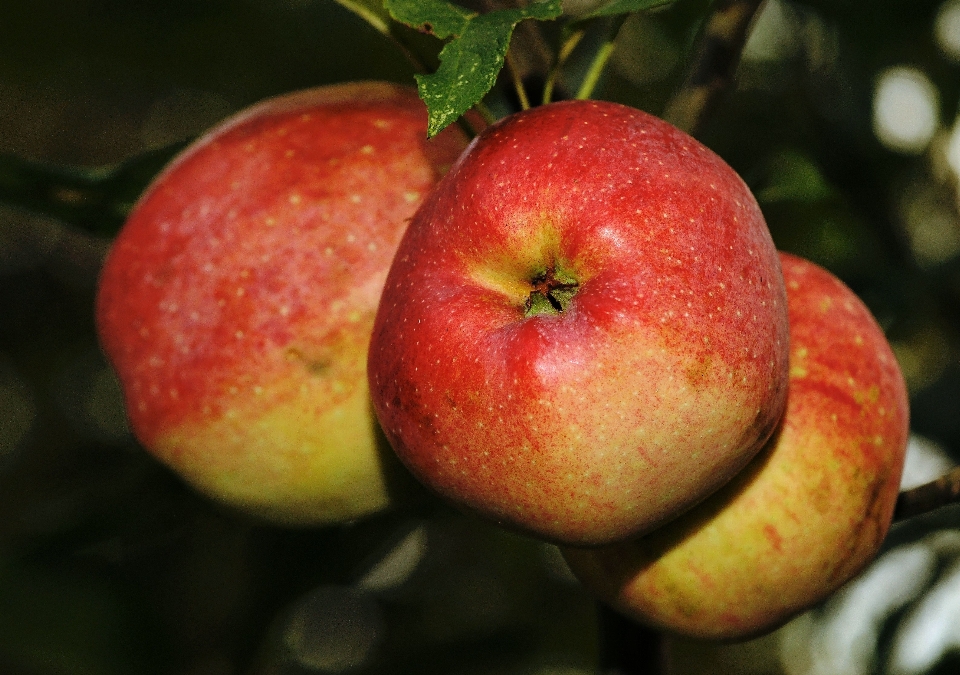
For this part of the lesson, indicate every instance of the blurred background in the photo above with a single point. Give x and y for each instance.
(844, 122)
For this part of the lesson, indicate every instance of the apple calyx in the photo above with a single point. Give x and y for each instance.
(553, 289)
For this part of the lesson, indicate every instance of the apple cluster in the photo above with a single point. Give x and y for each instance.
(579, 328)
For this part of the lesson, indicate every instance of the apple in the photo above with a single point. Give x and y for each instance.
(584, 330)
(806, 515)
(237, 301)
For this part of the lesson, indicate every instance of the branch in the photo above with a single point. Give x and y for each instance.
(928, 497)
(714, 65)
(517, 80)
(95, 199)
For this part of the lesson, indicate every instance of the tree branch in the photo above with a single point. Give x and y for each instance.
(928, 497)
(95, 199)
(714, 65)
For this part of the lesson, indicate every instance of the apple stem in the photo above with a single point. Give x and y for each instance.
(517, 82)
(565, 51)
(552, 291)
(929, 496)
(714, 65)
(600, 60)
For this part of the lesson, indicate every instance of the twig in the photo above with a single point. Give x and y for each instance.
(596, 68)
(534, 49)
(529, 54)
(714, 65)
(600, 59)
(929, 496)
(517, 80)
(565, 51)
(96, 199)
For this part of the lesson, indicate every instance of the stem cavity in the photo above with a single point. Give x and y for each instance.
(552, 291)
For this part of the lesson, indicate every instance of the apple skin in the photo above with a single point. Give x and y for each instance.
(237, 301)
(661, 378)
(806, 515)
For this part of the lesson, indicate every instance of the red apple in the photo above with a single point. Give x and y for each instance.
(584, 331)
(238, 299)
(807, 514)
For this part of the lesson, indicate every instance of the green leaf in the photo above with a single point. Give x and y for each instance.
(371, 11)
(437, 17)
(624, 7)
(470, 62)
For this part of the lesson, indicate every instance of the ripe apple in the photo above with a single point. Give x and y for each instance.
(807, 514)
(238, 299)
(584, 330)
